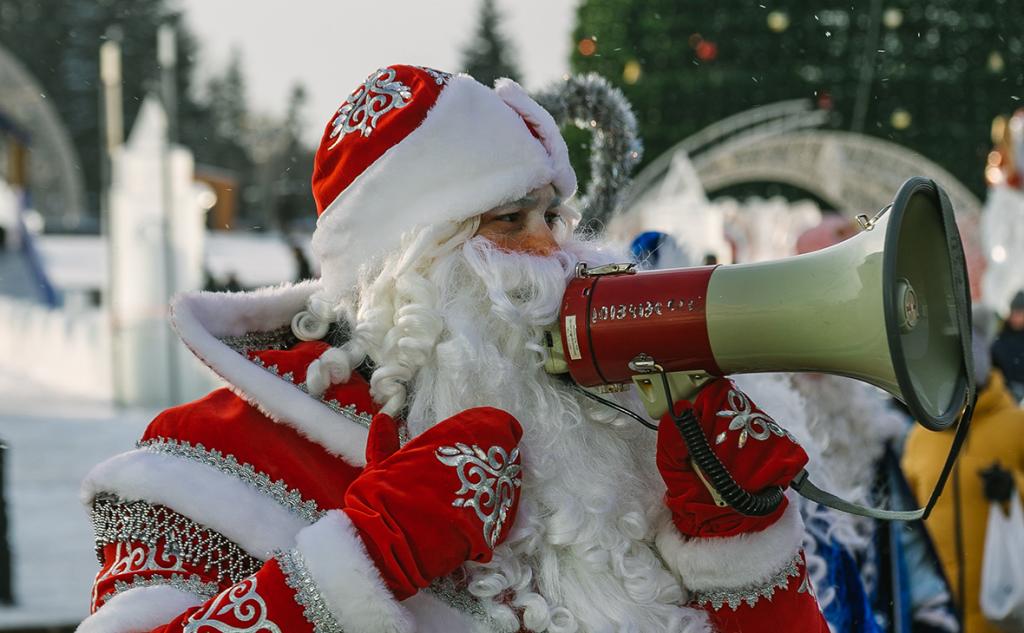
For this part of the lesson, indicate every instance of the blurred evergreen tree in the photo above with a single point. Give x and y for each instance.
(219, 136)
(58, 42)
(489, 55)
(928, 76)
(292, 194)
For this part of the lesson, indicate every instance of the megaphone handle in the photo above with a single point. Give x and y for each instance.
(748, 503)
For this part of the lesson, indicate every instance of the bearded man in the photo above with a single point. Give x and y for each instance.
(390, 455)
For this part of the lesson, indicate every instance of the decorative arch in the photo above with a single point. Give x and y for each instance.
(784, 143)
(55, 177)
(780, 143)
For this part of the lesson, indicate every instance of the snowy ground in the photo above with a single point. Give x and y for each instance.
(53, 440)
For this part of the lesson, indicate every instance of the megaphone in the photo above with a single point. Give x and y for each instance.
(889, 306)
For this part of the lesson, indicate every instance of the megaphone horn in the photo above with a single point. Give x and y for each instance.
(889, 306)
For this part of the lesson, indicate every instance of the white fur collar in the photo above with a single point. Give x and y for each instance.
(203, 318)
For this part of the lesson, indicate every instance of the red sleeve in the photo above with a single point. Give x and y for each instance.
(187, 523)
(786, 602)
(326, 584)
(752, 583)
(222, 423)
(269, 601)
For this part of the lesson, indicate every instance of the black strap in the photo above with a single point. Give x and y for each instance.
(803, 486)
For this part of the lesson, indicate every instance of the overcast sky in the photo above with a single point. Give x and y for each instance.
(332, 45)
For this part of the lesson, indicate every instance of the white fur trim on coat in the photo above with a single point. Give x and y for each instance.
(202, 318)
(473, 151)
(348, 579)
(216, 500)
(138, 610)
(705, 564)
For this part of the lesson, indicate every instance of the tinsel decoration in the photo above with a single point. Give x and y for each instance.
(591, 103)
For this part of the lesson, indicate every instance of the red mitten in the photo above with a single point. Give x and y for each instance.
(447, 497)
(756, 451)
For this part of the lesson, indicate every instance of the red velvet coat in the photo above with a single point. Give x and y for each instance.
(231, 514)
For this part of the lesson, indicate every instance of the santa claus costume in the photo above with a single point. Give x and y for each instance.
(389, 455)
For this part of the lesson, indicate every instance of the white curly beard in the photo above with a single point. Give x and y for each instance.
(580, 556)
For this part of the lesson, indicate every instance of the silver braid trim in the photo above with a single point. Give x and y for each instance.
(345, 410)
(278, 339)
(192, 584)
(749, 593)
(289, 498)
(139, 522)
(445, 589)
(307, 593)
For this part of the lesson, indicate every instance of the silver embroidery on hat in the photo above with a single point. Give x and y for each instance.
(491, 477)
(440, 77)
(379, 94)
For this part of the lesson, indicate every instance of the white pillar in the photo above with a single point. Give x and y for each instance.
(139, 302)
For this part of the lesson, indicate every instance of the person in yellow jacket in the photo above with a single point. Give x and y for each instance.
(957, 523)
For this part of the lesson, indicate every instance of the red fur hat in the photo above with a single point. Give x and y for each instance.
(414, 146)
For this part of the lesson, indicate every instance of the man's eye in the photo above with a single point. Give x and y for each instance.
(553, 218)
(508, 217)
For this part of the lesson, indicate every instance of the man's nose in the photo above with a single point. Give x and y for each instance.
(539, 241)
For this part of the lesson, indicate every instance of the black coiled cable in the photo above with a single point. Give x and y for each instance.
(755, 504)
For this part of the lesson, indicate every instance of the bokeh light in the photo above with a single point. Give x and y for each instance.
(587, 46)
(778, 21)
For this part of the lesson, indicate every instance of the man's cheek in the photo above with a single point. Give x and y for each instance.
(512, 244)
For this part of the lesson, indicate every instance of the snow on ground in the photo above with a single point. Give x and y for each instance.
(52, 441)
(79, 262)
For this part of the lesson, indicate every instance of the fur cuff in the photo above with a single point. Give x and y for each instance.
(215, 499)
(138, 610)
(749, 559)
(348, 579)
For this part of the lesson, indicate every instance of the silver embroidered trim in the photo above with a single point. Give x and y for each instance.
(280, 339)
(115, 521)
(349, 411)
(243, 603)
(754, 424)
(750, 593)
(192, 584)
(380, 93)
(289, 498)
(132, 558)
(461, 600)
(440, 77)
(307, 593)
(491, 477)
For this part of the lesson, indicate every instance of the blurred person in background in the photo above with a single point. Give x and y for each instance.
(392, 457)
(1002, 235)
(654, 250)
(991, 457)
(1008, 348)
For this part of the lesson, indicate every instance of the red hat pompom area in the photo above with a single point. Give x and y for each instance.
(413, 146)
